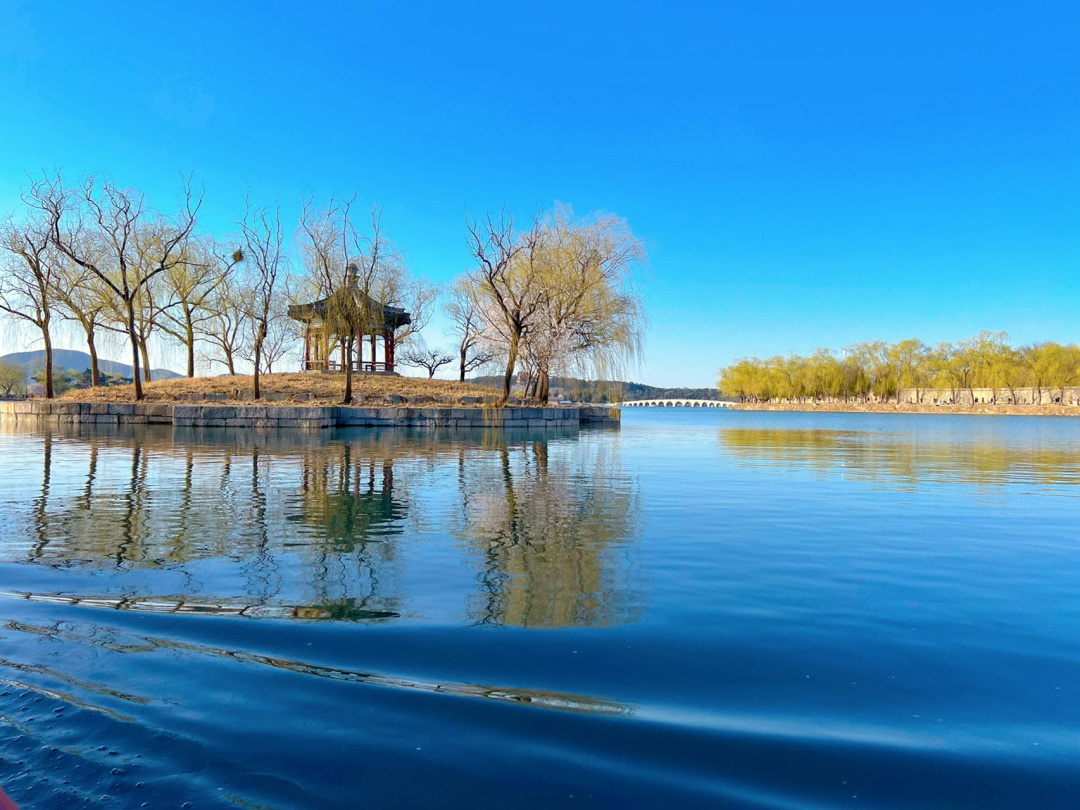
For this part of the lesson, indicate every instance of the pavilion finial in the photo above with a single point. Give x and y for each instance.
(352, 275)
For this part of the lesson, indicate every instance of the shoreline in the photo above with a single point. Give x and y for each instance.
(305, 417)
(980, 409)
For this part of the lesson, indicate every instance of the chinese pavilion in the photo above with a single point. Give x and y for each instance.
(320, 340)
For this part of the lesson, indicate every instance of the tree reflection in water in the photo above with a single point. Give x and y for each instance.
(549, 532)
(325, 525)
(908, 459)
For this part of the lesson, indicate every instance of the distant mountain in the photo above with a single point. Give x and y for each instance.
(79, 361)
(609, 390)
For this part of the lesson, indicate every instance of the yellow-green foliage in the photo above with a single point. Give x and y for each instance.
(879, 370)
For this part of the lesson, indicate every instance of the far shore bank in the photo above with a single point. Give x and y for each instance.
(984, 409)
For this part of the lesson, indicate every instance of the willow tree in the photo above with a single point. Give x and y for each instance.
(132, 244)
(12, 378)
(189, 290)
(468, 328)
(985, 360)
(264, 241)
(1007, 370)
(226, 327)
(507, 283)
(349, 270)
(589, 317)
(28, 281)
(359, 274)
(909, 360)
(985, 348)
(84, 301)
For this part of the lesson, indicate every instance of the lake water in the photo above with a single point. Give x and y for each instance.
(745, 610)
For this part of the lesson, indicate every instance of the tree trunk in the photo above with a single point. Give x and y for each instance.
(136, 376)
(95, 374)
(189, 340)
(48, 361)
(229, 362)
(145, 360)
(463, 356)
(347, 399)
(511, 362)
(258, 360)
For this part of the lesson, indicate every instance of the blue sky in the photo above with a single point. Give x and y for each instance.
(805, 174)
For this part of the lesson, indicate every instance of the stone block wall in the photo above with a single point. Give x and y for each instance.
(305, 417)
(1003, 396)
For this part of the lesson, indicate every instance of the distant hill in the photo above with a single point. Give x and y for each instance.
(611, 390)
(80, 361)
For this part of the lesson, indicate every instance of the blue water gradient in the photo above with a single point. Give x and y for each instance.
(702, 609)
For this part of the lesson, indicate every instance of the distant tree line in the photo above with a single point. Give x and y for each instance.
(555, 296)
(878, 371)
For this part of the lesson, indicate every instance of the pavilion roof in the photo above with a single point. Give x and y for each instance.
(392, 317)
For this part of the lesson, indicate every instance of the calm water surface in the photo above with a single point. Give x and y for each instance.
(745, 610)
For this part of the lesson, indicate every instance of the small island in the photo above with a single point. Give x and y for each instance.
(308, 400)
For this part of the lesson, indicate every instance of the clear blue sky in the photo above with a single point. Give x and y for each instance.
(805, 174)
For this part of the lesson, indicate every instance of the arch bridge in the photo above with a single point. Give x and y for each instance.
(675, 403)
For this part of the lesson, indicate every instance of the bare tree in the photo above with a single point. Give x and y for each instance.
(12, 378)
(28, 281)
(83, 301)
(264, 239)
(147, 319)
(278, 341)
(190, 286)
(418, 297)
(420, 356)
(343, 266)
(588, 317)
(225, 330)
(468, 328)
(358, 274)
(506, 282)
(135, 244)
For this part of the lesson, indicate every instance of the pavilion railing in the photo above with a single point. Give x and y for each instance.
(359, 366)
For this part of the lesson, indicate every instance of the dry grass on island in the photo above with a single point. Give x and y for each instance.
(988, 409)
(309, 389)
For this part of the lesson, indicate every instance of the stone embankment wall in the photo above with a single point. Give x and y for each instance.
(982, 396)
(302, 416)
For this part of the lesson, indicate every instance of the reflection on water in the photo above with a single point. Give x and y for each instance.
(546, 533)
(905, 458)
(707, 609)
(324, 525)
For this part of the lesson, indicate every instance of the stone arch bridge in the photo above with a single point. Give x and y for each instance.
(675, 403)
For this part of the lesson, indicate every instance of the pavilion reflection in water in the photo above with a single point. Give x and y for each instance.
(325, 525)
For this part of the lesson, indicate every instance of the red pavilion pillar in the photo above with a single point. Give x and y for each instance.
(388, 348)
